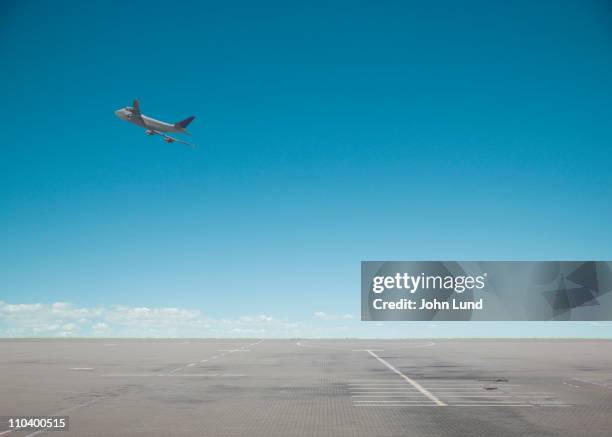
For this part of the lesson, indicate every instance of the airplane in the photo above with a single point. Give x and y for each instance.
(155, 127)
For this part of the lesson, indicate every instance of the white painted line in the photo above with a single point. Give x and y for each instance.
(560, 405)
(445, 382)
(544, 394)
(463, 387)
(411, 381)
(400, 386)
(155, 375)
(203, 361)
(129, 375)
(388, 402)
(457, 405)
(492, 405)
(359, 381)
(387, 396)
(233, 350)
(191, 364)
(548, 404)
(366, 350)
(385, 392)
(177, 369)
(191, 375)
(472, 395)
(468, 388)
(379, 388)
(605, 384)
(396, 405)
(81, 368)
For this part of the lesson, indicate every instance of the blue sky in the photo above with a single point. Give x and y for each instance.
(329, 133)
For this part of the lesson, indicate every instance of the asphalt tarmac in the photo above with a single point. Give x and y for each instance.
(422, 388)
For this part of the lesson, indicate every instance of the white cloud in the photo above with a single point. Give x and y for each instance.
(62, 319)
(326, 316)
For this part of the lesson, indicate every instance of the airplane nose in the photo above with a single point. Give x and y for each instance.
(118, 113)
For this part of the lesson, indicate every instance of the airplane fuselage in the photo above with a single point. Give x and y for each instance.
(148, 122)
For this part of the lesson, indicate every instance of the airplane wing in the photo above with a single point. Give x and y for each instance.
(169, 139)
(135, 113)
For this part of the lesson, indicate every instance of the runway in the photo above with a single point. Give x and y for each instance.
(310, 387)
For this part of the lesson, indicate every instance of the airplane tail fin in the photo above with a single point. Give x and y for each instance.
(184, 123)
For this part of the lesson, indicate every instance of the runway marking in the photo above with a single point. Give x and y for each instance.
(359, 381)
(457, 386)
(452, 393)
(386, 396)
(480, 396)
(233, 350)
(81, 368)
(386, 392)
(173, 375)
(214, 357)
(388, 402)
(396, 405)
(467, 388)
(410, 346)
(458, 405)
(493, 405)
(496, 392)
(411, 381)
(379, 388)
